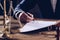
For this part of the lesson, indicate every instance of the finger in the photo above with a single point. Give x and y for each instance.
(26, 14)
(28, 17)
(31, 15)
(58, 21)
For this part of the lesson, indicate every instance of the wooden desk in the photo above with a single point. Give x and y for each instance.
(38, 36)
(34, 36)
(57, 27)
(57, 30)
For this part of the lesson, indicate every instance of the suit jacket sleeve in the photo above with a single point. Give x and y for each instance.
(24, 6)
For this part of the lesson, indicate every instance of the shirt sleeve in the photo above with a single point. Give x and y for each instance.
(24, 6)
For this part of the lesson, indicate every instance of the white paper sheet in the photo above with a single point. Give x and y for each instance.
(34, 25)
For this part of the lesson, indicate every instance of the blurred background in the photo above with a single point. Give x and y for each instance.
(11, 4)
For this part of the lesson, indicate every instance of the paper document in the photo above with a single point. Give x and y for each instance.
(35, 25)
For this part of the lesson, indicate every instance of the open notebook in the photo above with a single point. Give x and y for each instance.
(35, 25)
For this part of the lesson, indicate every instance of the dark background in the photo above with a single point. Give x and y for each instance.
(15, 2)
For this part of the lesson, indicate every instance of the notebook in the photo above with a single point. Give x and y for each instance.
(35, 25)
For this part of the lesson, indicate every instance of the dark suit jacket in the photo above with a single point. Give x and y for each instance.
(45, 8)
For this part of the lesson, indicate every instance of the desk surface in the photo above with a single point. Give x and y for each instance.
(34, 36)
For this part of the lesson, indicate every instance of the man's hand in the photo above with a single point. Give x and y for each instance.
(58, 23)
(26, 17)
